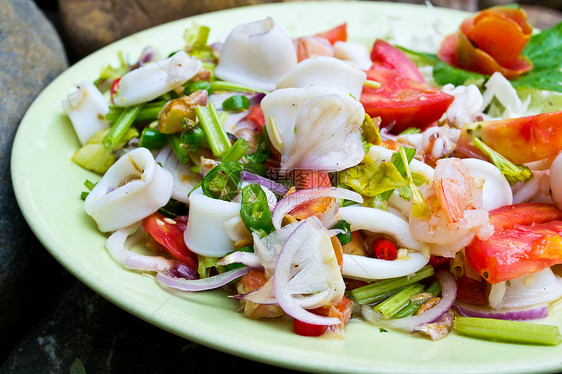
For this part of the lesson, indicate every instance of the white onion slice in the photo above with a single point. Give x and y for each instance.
(380, 222)
(367, 268)
(239, 257)
(325, 71)
(86, 107)
(308, 232)
(155, 79)
(410, 324)
(133, 188)
(257, 54)
(118, 246)
(291, 201)
(203, 284)
(512, 314)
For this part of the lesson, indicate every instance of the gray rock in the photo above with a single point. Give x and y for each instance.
(31, 55)
(105, 339)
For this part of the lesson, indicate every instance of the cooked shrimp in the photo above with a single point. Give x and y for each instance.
(456, 214)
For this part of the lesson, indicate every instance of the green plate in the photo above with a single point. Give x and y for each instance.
(48, 187)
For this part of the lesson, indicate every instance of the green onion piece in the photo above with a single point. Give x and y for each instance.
(84, 195)
(399, 300)
(372, 84)
(198, 86)
(508, 331)
(216, 136)
(89, 184)
(410, 130)
(179, 150)
(120, 127)
(152, 139)
(236, 103)
(412, 308)
(370, 292)
(237, 151)
(230, 86)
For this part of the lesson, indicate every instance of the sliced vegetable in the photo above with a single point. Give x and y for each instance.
(223, 182)
(216, 136)
(520, 140)
(254, 210)
(527, 238)
(236, 103)
(385, 249)
(508, 331)
(386, 56)
(337, 34)
(402, 103)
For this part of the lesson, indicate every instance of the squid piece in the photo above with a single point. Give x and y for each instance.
(184, 179)
(315, 128)
(257, 54)
(155, 79)
(496, 191)
(355, 54)
(86, 107)
(325, 71)
(132, 189)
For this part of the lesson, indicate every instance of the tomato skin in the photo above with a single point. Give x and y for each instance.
(114, 88)
(403, 103)
(308, 329)
(336, 34)
(170, 236)
(520, 140)
(527, 238)
(255, 115)
(386, 56)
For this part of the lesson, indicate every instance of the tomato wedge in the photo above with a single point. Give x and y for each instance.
(401, 102)
(255, 115)
(520, 140)
(527, 238)
(336, 34)
(169, 234)
(386, 56)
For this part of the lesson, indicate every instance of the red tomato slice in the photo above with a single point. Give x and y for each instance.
(337, 34)
(255, 114)
(169, 234)
(527, 239)
(387, 56)
(403, 103)
(308, 329)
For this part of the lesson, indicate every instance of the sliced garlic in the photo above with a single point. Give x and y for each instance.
(86, 107)
(325, 71)
(257, 54)
(155, 79)
(133, 188)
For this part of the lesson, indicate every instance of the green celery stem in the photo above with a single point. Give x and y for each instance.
(230, 86)
(508, 331)
(237, 151)
(399, 300)
(121, 125)
(372, 292)
(411, 309)
(216, 136)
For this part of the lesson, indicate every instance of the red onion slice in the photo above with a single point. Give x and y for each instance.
(264, 182)
(204, 284)
(291, 201)
(282, 276)
(533, 313)
(410, 324)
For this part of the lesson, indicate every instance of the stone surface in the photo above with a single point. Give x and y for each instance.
(82, 325)
(31, 55)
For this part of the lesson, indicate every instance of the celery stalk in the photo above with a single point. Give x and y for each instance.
(216, 136)
(121, 126)
(508, 331)
(399, 300)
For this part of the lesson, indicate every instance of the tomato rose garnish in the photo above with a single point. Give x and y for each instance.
(491, 41)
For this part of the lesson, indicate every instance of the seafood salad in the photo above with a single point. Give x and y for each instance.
(323, 181)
